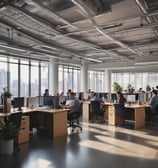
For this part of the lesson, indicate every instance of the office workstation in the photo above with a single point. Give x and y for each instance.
(133, 102)
(85, 46)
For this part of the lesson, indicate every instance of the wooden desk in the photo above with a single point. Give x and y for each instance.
(109, 115)
(53, 120)
(139, 115)
(86, 112)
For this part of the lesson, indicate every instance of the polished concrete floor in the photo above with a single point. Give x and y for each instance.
(97, 146)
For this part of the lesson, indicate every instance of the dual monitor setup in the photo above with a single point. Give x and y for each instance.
(39, 101)
(130, 97)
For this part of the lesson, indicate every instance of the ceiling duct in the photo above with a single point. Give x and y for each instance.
(6, 2)
(104, 6)
(151, 5)
(64, 5)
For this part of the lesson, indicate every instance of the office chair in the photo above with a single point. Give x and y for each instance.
(95, 109)
(121, 111)
(154, 114)
(73, 119)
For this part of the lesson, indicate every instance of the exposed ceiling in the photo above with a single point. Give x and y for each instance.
(105, 33)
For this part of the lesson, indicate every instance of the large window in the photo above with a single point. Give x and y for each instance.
(14, 77)
(22, 76)
(137, 80)
(3, 73)
(44, 77)
(96, 81)
(24, 79)
(34, 78)
(69, 78)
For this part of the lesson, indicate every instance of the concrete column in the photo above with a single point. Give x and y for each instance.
(107, 80)
(53, 76)
(84, 77)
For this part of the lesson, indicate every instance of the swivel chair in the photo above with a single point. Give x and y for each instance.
(154, 114)
(73, 119)
(95, 109)
(121, 111)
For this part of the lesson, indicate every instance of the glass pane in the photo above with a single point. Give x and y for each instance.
(34, 79)
(24, 81)
(3, 75)
(60, 78)
(14, 79)
(44, 77)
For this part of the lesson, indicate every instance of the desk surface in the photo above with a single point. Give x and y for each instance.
(28, 110)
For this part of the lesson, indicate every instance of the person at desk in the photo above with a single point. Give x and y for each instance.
(153, 104)
(120, 98)
(46, 93)
(95, 97)
(74, 104)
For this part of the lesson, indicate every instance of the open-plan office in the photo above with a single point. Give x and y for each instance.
(78, 45)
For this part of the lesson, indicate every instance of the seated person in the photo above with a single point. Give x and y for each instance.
(46, 93)
(153, 103)
(74, 104)
(120, 98)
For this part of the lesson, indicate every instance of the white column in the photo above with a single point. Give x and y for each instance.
(107, 80)
(53, 76)
(84, 77)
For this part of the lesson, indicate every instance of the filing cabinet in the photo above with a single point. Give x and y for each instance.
(23, 135)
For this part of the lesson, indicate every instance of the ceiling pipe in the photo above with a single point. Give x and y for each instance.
(39, 4)
(139, 3)
(62, 35)
(85, 9)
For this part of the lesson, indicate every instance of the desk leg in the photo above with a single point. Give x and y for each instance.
(140, 117)
(59, 124)
(85, 112)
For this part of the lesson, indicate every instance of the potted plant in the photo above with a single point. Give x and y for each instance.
(117, 87)
(130, 88)
(8, 132)
(6, 95)
(148, 88)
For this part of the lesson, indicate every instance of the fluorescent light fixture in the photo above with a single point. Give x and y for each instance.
(95, 60)
(13, 48)
(146, 63)
(49, 47)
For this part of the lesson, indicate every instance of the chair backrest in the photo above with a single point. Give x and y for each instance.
(94, 106)
(15, 118)
(77, 114)
(119, 109)
(155, 110)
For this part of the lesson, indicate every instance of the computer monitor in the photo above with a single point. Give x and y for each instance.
(18, 102)
(148, 96)
(48, 101)
(113, 96)
(33, 102)
(103, 96)
(131, 98)
(62, 99)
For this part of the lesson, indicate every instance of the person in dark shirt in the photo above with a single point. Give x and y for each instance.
(120, 98)
(46, 93)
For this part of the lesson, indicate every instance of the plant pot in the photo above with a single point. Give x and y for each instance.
(6, 147)
(7, 104)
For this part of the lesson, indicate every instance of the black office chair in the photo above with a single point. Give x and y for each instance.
(73, 119)
(154, 114)
(121, 111)
(95, 109)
